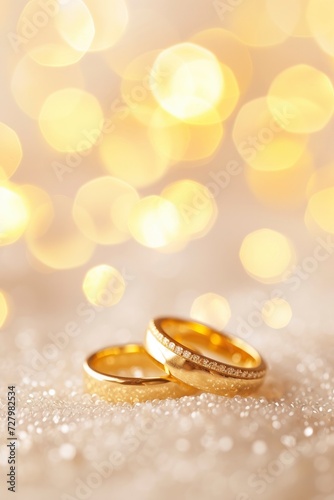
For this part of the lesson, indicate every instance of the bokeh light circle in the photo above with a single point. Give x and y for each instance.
(191, 82)
(136, 86)
(276, 313)
(103, 285)
(180, 141)
(229, 50)
(290, 16)
(110, 19)
(14, 214)
(251, 21)
(32, 83)
(54, 239)
(155, 222)
(71, 120)
(320, 18)
(211, 309)
(266, 255)
(102, 207)
(261, 138)
(306, 94)
(10, 151)
(54, 33)
(195, 204)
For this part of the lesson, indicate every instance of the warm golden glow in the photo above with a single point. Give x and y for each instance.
(3, 309)
(14, 215)
(10, 151)
(252, 23)
(32, 83)
(191, 82)
(308, 96)
(103, 285)
(55, 33)
(101, 209)
(290, 16)
(266, 255)
(229, 50)
(155, 222)
(180, 141)
(261, 139)
(195, 204)
(212, 309)
(321, 208)
(170, 137)
(71, 120)
(226, 104)
(284, 189)
(229, 98)
(127, 153)
(320, 17)
(54, 239)
(276, 313)
(110, 19)
(136, 87)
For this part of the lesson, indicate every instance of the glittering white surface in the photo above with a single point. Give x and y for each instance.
(277, 444)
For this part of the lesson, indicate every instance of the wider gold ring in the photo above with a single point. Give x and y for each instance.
(199, 356)
(105, 374)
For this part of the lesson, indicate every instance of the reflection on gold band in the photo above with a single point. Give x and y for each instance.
(127, 374)
(179, 345)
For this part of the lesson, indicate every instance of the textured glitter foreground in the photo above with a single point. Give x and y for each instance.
(277, 444)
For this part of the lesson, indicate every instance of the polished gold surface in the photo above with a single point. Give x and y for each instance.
(127, 374)
(204, 358)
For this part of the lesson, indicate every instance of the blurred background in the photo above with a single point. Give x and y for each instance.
(163, 158)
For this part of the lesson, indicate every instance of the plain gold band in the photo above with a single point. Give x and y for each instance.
(168, 341)
(100, 377)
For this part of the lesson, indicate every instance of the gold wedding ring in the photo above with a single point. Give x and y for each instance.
(127, 374)
(201, 357)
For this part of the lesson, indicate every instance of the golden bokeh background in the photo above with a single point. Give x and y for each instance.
(167, 157)
(186, 157)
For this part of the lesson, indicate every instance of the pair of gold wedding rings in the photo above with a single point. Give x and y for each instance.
(187, 356)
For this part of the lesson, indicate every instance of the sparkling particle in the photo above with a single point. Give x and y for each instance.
(308, 431)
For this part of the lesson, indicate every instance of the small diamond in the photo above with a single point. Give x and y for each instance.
(205, 361)
(221, 368)
(212, 365)
(171, 346)
(178, 350)
(186, 354)
(165, 341)
(160, 336)
(230, 371)
(195, 358)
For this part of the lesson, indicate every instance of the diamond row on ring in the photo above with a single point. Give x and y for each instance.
(202, 360)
